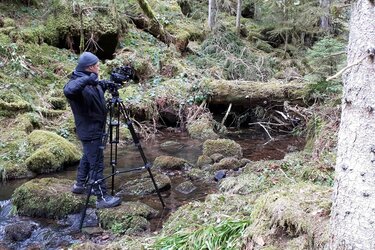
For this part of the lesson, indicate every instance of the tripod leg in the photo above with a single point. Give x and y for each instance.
(83, 214)
(138, 144)
(114, 137)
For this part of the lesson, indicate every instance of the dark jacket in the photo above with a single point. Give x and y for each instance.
(88, 105)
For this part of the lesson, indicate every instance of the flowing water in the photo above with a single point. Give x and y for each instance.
(255, 145)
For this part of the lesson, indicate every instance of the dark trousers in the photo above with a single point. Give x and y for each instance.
(91, 166)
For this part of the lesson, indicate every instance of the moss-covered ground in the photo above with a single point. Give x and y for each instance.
(269, 205)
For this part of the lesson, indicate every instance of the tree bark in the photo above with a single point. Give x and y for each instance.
(238, 16)
(251, 94)
(212, 11)
(353, 209)
(155, 28)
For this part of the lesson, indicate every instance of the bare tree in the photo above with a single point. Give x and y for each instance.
(353, 210)
(212, 12)
(238, 16)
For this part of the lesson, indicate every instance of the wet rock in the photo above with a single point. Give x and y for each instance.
(144, 185)
(199, 174)
(73, 220)
(226, 147)
(227, 163)
(128, 218)
(48, 198)
(19, 231)
(203, 160)
(220, 175)
(169, 163)
(171, 146)
(87, 246)
(216, 157)
(186, 187)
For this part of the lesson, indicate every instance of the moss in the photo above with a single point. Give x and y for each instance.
(298, 209)
(169, 163)
(203, 160)
(227, 163)
(13, 103)
(47, 197)
(215, 208)
(202, 129)
(129, 218)
(226, 147)
(57, 103)
(51, 152)
(144, 184)
(11, 170)
(8, 22)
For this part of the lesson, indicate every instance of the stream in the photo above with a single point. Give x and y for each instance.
(48, 234)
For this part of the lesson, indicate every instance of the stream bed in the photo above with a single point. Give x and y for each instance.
(48, 234)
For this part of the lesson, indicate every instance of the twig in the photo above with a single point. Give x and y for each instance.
(282, 171)
(226, 115)
(271, 138)
(346, 68)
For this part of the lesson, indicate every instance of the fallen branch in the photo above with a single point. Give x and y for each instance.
(346, 68)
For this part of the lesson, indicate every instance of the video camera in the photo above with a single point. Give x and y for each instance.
(121, 74)
(117, 78)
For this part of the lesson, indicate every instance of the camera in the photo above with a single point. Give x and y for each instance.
(121, 74)
(117, 78)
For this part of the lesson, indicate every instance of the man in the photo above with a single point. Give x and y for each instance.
(86, 99)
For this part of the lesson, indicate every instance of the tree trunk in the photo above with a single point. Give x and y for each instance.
(353, 209)
(212, 11)
(251, 94)
(238, 16)
(155, 28)
(325, 22)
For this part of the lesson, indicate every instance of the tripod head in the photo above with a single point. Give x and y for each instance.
(118, 77)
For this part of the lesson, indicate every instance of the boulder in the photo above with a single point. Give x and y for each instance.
(50, 152)
(226, 147)
(48, 198)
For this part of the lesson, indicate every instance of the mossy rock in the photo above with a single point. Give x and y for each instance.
(202, 129)
(226, 147)
(144, 185)
(8, 22)
(165, 162)
(13, 103)
(216, 207)
(51, 152)
(203, 160)
(128, 218)
(299, 209)
(10, 170)
(227, 163)
(47, 198)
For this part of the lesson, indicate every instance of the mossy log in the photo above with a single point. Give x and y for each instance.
(247, 93)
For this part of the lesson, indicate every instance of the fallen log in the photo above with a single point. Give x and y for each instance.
(246, 93)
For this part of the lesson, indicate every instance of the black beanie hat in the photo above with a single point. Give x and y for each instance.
(85, 60)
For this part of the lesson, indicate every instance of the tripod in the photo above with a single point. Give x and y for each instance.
(113, 104)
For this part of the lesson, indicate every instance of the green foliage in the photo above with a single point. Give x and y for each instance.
(325, 57)
(235, 59)
(225, 235)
